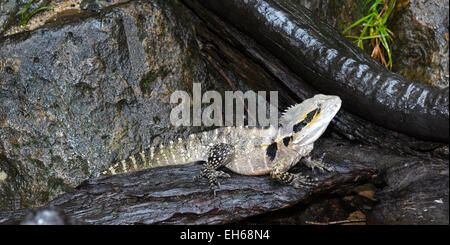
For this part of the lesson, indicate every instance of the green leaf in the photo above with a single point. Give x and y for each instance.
(386, 46)
(374, 6)
(364, 38)
(360, 44)
(357, 22)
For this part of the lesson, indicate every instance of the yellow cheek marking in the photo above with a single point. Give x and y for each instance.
(316, 115)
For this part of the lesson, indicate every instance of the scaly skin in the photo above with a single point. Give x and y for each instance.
(248, 151)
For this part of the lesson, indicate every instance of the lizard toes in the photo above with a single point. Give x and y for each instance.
(222, 174)
(197, 177)
(214, 183)
(325, 168)
(212, 175)
(301, 181)
(330, 168)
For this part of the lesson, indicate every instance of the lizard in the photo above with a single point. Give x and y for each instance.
(245, 150)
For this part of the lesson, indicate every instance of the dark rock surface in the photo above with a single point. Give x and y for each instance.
(75, 96)
(422, 41)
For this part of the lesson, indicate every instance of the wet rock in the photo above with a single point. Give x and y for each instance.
(79, 94)
(60, 10)
(421, 41)
(96, 5)
(420, 48)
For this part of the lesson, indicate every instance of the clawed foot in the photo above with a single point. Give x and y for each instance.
(301, 181)
(212, 175)
(318, 164)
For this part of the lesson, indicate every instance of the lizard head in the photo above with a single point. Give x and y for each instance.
(307, 121)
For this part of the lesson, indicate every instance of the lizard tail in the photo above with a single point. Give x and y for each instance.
(173, 154)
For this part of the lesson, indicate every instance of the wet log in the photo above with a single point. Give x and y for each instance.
(169, 195)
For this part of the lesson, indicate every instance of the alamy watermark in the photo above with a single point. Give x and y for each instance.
(212, 115)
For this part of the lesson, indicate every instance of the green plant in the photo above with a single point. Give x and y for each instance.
(375, 29)
(26, 15)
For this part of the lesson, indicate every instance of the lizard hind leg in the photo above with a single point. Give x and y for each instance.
(218, 156)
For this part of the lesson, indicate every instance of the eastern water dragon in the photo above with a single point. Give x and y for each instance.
(248, 151)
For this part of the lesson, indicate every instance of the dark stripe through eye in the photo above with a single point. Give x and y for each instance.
(297, 127)
(309, 117)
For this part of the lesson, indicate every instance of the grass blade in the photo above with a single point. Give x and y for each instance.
(26, 8)
(375, 30)
(357, 23)
(26, 16)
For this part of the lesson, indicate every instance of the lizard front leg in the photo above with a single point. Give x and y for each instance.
(311, 163)
(281, 168)
(218, 156)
